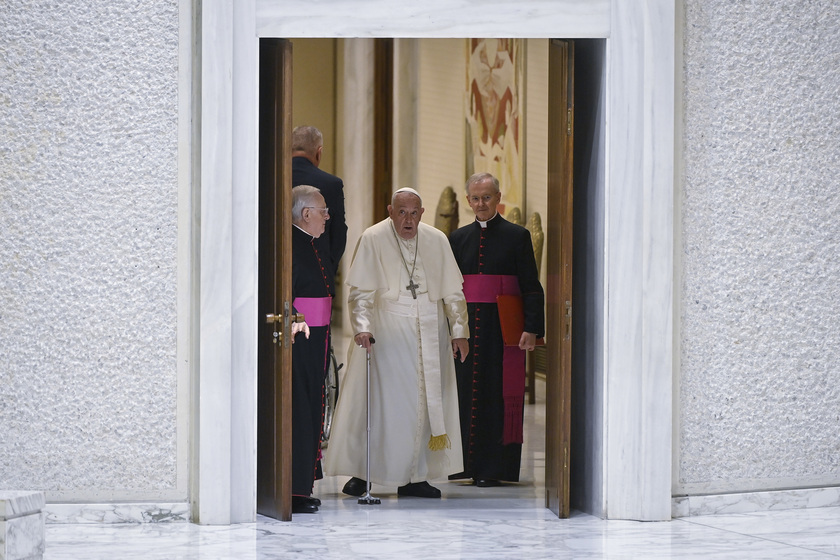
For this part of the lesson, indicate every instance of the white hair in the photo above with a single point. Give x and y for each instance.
(479, 177)
(302, 196)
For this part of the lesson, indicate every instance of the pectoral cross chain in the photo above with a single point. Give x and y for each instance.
(413, 287)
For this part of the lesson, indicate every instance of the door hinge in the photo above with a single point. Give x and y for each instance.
(569, 121)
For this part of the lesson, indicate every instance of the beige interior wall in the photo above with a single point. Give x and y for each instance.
(314, 92)
(440, 121)
(536, 133)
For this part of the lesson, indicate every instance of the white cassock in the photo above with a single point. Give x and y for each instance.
(414, 396)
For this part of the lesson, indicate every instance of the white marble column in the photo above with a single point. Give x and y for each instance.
(211, 481)
(639, 260)
(224, 461)
(245, 263)
(355, 133)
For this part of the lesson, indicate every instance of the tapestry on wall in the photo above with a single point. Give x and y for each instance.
(494, 114)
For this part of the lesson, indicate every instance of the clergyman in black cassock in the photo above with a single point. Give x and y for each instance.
(495, 256)
(312, 287)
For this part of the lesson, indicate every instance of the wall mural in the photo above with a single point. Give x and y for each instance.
(494, 114)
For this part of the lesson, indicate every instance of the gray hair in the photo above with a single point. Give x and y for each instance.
(478, 178)
(302, 196)
(307, 139)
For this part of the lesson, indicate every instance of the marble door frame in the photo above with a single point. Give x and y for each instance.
(638, 225)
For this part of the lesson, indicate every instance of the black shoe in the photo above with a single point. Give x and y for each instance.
(459, 476)
(302, 504)
(419, 489)
(487, 483)
(314, 501)
(355, 487)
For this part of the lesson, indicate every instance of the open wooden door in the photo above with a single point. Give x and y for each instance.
(559, 275)
(274, 386)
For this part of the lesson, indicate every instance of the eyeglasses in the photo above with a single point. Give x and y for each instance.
(323, 210)
(485, 199)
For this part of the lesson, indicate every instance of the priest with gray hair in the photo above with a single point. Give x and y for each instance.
(312, 282)
(405, 293)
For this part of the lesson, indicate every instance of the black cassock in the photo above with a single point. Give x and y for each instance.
(501, 248)
(311, 278)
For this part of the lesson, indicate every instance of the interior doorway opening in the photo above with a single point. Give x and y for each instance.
(587, 364)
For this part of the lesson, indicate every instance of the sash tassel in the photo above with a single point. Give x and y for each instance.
(439, 443)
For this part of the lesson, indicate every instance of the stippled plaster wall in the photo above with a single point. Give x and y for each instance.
(88, 215)
(759, 375)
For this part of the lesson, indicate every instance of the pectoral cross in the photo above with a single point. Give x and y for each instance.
(413, 287)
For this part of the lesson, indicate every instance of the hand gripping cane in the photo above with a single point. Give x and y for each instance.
(367, 499)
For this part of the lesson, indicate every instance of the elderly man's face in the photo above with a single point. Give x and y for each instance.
(406, 213)
(315, 217)
(483, 199)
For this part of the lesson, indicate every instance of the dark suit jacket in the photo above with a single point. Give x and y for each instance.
(334, 239)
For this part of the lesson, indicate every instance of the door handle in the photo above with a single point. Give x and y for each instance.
(277, 318)
(284, 321)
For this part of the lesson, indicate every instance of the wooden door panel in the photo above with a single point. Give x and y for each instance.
(559, 275)
(274, 387)
(383, 127)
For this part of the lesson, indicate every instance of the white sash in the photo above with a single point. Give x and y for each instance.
(425, 312)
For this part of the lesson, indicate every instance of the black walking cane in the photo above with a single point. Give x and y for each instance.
(367, 499)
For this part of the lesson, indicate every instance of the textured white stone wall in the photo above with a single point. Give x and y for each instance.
(759, 397)
(88, 215)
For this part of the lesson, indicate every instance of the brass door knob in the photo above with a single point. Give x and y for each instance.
(275, 318)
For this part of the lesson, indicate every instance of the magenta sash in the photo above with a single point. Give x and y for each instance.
(483, 288)
(316, 311)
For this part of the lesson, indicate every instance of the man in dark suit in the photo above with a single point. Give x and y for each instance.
(307, 145)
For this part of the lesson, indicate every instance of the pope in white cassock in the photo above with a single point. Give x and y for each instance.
(405, 293)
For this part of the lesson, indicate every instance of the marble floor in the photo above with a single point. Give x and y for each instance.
(468, 523)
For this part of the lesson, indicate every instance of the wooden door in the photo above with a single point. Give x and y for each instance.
(559, 275)
(383, 127)
(274, 385)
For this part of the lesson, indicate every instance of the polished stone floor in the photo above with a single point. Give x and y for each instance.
(468, 523)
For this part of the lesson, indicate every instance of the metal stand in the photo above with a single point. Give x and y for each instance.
(367, 499)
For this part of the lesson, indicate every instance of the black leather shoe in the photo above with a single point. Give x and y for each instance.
(314, 501)
(302, 504)
(419, 489)
(355, 487)
(487, 483)
(459, 476)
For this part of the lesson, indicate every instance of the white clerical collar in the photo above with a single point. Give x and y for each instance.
(304, 231)
(484, 224)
